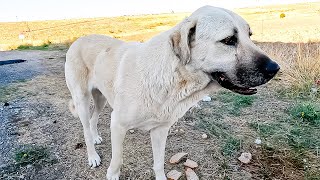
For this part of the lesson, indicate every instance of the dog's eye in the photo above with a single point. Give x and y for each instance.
(230, 41)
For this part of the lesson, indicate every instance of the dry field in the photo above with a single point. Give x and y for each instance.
(300, 24)
(39, 139)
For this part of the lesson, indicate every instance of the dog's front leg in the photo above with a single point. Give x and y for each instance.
(118, 134)
(158, 140)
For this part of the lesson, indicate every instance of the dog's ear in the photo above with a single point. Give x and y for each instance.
(181, 40)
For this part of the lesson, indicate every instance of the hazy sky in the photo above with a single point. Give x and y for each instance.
(26, 10)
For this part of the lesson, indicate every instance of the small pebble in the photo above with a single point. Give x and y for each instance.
(257, 141)
(206, 99)
(204, 136)
(131, 131)
(245, 158)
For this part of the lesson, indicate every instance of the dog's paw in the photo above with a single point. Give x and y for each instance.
(113, 176)
(94, 160)
(97, 139)
(161, 177)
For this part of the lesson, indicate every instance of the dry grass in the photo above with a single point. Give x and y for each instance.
(129, 28)
(300, 66)
(299, 25)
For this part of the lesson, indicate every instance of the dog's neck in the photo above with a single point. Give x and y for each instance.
(185, 86)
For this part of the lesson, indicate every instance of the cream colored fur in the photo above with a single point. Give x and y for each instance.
(149, 85)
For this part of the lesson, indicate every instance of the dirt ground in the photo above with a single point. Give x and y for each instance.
(37, 115)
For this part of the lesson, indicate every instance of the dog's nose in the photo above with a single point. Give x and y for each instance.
(272, 68)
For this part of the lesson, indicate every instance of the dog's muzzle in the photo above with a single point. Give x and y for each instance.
(248, 77)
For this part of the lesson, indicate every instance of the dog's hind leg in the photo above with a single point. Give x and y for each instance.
(82, 102)
(158, 140)
(99, 102)
(77, 82)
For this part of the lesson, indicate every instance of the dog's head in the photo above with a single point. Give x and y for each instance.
(217, 42)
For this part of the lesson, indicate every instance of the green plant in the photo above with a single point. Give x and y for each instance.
(234, 102)
(44, 46)
(304, 138)
(266, 129)
(214, 127)
(31, 155)
(307, 111)
(230, 146)
(243, 101)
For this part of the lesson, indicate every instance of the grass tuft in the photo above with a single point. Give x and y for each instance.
(44, 46)
(308, 112)
(300, 67)
(231, 146)
(31, 155)
(235, 102)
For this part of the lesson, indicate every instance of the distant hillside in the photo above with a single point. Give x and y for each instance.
(301, 23)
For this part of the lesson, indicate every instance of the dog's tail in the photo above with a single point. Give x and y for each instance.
(72, 108)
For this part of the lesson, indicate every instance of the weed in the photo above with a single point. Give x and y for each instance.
(266, 129)
(231, 146)
(304, 138)
(235, 102)
(307, 111)
(214, 127)
(31, 155)
(243, 101)
(44, 46)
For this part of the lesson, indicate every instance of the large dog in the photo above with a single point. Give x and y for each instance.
(151, 85)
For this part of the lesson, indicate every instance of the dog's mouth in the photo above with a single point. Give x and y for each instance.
(225, 82)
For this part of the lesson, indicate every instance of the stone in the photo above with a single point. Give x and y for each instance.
(191, 175)
(206, 99)
(204, 136)
(177, 157)
(191, 164)
(174, 175)
(258, 141)
(245, 158)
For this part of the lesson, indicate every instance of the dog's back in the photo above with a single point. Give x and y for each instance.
(84, 51)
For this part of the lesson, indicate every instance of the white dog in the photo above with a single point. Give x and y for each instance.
(151, 85)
